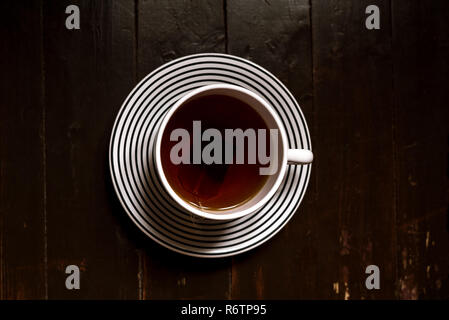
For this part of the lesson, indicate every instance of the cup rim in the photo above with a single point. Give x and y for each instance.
(192, 209)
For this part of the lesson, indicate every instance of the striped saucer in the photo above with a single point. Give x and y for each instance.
(132, 164)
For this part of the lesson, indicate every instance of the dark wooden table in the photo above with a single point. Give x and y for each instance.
(376, 102)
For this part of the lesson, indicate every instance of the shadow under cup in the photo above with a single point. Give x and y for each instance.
(215, 149)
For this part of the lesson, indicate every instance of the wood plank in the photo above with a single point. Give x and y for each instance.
(22, 202)
(168, 30)
(353, 103)
(276, 35)
(175, 28)
(421, 70)
(88, 74)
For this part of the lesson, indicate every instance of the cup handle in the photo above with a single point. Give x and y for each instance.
(299, 156)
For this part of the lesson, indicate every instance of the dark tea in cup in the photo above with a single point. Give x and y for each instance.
(221, 152)
(225, 182)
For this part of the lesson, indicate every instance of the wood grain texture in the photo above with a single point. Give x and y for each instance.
(88, 73)
(276, 35)
(22, 198)
(175, 28)
(354, 211)
(421, 51)
(168, 30)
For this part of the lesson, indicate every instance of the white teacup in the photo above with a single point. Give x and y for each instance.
(284, 157)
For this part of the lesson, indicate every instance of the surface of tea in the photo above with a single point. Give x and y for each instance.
(213, 186)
